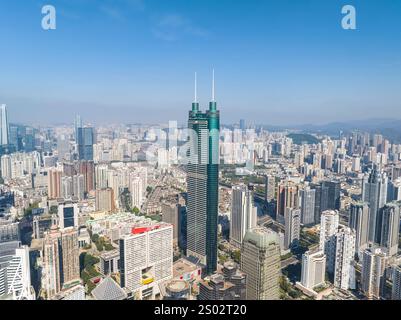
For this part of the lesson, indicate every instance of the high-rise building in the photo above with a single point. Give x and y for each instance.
(260, 260)
(333, 200)
(171, 214)
(146, 259)
(374, 192)
(87, 169)
(373, 272)
(136, 193)
(60, 260)
(54, 183)
(86, 140)
(390, 227)
(101, 172)
(70, 256)
(4, 129)
(243, 214)
(68, 215)
(270, 188)
(359, 221)
(105, 200)
(78, 124)
(328, 229)
(321, 200)
(242, 125)
(6, 172)
(308, 197)
(344, 257)
(394, 190)
(396, 291)
(51, 274)
(292, 223)
(313, 269)
(15, 276)
(203, 184)
(287, 197)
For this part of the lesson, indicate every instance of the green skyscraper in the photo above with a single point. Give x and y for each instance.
(203, 183)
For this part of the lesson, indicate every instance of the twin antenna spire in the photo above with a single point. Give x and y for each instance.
(196, 88)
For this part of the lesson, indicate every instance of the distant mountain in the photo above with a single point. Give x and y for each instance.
(303, 138)
(389, 128)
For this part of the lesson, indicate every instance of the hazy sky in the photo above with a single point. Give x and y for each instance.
(276, 61)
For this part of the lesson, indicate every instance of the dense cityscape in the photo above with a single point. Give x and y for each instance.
(201, 211)
(130, 171)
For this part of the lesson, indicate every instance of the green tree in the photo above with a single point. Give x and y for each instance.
(236, 255)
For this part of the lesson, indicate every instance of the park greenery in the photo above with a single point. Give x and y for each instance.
(88, 270)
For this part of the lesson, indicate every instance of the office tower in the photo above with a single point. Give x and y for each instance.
(86, 140)
(396, 291)
(171, 215)
(390, 227)
(344, 257)
(29, 139)
(321, 200)
(4, 130)
(242, 125)
(359, 222)
(260, 260)
(203, 184)
(15, 276)
(243, 214)
(292, 223)
(333, 200)
(270, 188)
(60, 260)
(105, 200)
(54, 183)
(308, 197)
(313, 269)
(287, 197)
(328, 229)
(14, 138)
(374, 192)
(78, 124)
(373, 272)
(146, 259)
(87, 169)
(68, 215)
(136, 193)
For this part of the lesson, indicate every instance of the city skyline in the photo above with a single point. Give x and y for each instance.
(273, 59)
(123, 177)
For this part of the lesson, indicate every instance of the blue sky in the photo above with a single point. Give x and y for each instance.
(276, 61)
